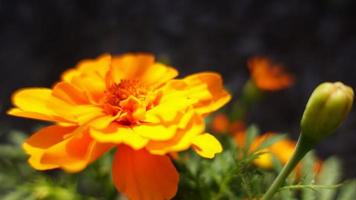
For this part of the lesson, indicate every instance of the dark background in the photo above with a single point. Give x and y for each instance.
(316, 40)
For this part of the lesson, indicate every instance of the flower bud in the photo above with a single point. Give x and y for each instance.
(326, 109)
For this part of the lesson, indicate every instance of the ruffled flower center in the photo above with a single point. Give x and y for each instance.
(123, 90)
(129, 100)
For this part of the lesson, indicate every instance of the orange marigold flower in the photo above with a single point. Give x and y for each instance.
(269, 76)
(237, 126)
(130, 102)
(220, 123)
(282, 150)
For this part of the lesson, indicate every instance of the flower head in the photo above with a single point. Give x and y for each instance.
(327, 108)
(221, 124)
(130, 102)
(269, 76)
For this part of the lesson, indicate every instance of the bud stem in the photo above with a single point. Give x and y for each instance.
(304, 145)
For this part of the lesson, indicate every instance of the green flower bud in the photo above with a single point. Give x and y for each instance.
(326, 109)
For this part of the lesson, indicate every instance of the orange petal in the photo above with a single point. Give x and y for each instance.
(80, 114)
(75, 153)
(264, 160)
(65, 147)
(140, 67)
(69, 93)
(129, 67)
(89, 77)
(182, 140)
(143, 176)
(33, 99)
(158, 74)
(169, 109)
(102, 122)
(98, 67)
(220, 123)
(268, 75)
(68, 158)
(42, 140)
(118, 134)
(39, 103)
(237, 126)
(32, 103)
(156, 131)
(93, 86)
(206, 145)
(34, 115)
(207, 88)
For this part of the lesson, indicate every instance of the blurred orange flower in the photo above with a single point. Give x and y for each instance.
(221, 124)
(269, 76)
(282, 150)
(130, 102)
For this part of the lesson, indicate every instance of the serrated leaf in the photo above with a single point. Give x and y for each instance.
(252, 133)
(270, 141)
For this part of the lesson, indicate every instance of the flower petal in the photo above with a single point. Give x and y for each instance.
(32, 103)
(119, 134)
(75, 153)
(206, 145)
(39, 103)
(41, 140)
(34, 115)
(143, 176)
(182, 140)
(156, 131)
(80, 114)
(140, 67)
(89, 76)
(92, 85)
(102, 122)
(169, 109)
(268, 75)
(63, 147)
(98, 66)
(158, 74)
(129, 67)
(69, 93)
(207, 88)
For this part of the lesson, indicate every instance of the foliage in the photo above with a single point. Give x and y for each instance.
(231, 175)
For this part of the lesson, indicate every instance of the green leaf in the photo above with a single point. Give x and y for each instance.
(16, 137)
(329, 175)
(308, 176)
(348, 191)
(11, 152)
(270, 141)
(252, 133)
(16, 195)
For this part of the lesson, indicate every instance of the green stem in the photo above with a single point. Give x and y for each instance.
(312, 187)
(250, 95)
(304, 145)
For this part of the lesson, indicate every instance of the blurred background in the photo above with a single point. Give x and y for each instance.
(315, 40)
